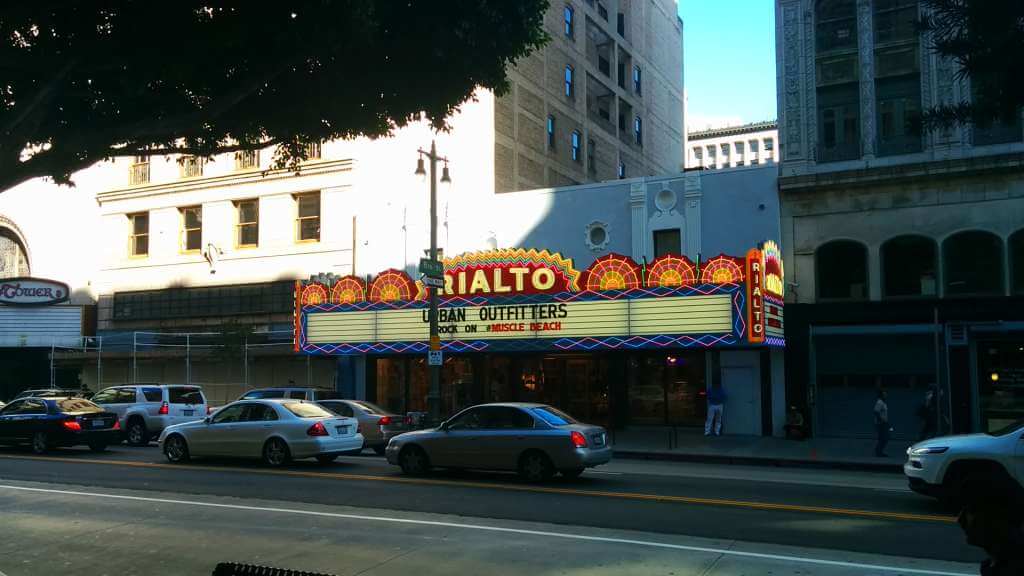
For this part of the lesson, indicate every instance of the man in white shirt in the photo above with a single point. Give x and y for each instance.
(881, 423)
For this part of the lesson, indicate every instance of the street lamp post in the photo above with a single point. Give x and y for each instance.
(434, 395)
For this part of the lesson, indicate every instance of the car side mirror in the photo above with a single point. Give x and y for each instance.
(208, 420)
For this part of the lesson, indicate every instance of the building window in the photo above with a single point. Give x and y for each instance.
(247, 159)
(139, 171)
(638, 131)
(620, 24)
(837, 73)
(602, 11)
(769, 144)
(190, 166)
(725, 149)
(909, 266)
(698, 153)
(711, 151)
(754, 162)
(138, 243)
(191, 228)
(569, 83)
(972, 264)
(248, 227)
(551, 132)
(575, 141)
(621, 170)
(1017, 262)
(739, 148)
(313, 151)
(591, 164)
(570, 23)
(667, 242)
(637, 81)
(753, 146)
(841, 270)
(307, 223)
(897, 76)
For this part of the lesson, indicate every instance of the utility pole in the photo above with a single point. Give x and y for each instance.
(434, 395)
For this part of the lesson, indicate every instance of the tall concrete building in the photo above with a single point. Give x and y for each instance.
(732, 146)
(904, 250)
(603, 100)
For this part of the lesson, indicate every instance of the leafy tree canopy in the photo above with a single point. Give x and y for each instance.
(986, 40)
(82, 81)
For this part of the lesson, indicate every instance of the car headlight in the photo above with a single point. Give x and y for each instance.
(924, 450)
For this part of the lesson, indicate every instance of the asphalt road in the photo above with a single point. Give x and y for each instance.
(838, 511)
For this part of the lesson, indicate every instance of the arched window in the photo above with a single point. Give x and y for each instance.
(837, 76)
(1017, 262)
(13, 257)
(972, 263)
(908, 266)
(841, 269)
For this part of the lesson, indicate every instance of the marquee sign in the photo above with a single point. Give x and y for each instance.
(509, 300)
(755, 296)
(26, 291)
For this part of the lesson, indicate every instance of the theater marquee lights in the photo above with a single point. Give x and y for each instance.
(516, 299)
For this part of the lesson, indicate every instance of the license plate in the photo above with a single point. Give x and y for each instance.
(98, 423)
(188, 412)
(341, 430)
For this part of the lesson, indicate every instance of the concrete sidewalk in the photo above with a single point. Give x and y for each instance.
(690, 445)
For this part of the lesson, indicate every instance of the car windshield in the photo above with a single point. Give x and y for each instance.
(554, 416)
(185, 395)
(1008, 429)
(371, 408)
(304, 410)
(77, 405)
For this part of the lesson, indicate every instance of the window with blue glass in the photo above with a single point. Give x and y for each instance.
(638, 131)
(570, 21)
(575, 146)
(551, 132)
(637, 80)
(569, 88)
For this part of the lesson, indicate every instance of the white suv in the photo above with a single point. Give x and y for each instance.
(939, 467)
(145, 410)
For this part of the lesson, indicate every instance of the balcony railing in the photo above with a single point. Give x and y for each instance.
(139, 173)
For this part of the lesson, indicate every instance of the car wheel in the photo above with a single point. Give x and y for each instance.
(379, 450)
(176, 449)
(535, 466)
(40, 443)
(326, 458)
(98, 446)
(572, 472)
(276, 453)
(137, 434)
(414, 461)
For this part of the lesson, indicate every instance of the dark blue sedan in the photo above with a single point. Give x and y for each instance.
(45, 423)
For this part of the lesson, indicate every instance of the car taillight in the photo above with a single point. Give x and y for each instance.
(72, 426)
(578, 439)
(317, 429)
(384, 421)
(164, 409)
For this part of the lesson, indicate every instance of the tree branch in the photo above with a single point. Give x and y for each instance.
(41, 96)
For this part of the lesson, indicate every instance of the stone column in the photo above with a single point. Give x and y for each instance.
(866, 49)
(691, 210)
(638, 213)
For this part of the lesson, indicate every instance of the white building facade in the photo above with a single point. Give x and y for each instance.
(732, 146)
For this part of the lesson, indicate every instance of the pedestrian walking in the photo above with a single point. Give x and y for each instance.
(929, 413)
(716, 402)
(882, 423)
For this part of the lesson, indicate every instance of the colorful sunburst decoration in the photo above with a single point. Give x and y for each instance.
(722, 269)
(532, 258)
(313, 293)
(671, 271)
(391, 285)
(774, 276)
(348, 290)
(612, 272)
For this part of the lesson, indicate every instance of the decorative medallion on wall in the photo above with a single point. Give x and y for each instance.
(596, 235)
(666, 199)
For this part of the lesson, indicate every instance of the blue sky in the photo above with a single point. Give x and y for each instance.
(729, 60)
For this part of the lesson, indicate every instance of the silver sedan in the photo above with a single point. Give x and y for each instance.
(378, 425)
(535, 440)
(275, 430)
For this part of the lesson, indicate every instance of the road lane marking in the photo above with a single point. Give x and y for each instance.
(510, 487)
(482, 527)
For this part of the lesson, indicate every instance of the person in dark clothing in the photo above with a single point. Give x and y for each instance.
(992, 519)
(882, 427)
(929, 413)
(716, 402)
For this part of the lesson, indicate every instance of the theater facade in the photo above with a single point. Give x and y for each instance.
(620, 343)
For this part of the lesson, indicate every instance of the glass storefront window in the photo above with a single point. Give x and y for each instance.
(668, 389)
(1000, 383)
(391, 384)
(457, 385)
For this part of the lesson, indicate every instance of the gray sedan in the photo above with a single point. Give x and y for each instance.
(276, 430)
(535, 440)
(378, 426)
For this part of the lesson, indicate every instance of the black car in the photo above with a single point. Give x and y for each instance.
(45, 423)
(47, 393)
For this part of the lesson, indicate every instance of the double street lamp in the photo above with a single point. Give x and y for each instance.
(434, 395)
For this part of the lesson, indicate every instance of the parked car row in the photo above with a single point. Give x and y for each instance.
(281, 424)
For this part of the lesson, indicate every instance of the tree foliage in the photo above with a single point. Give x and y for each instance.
(82, 81)
(986, 40)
